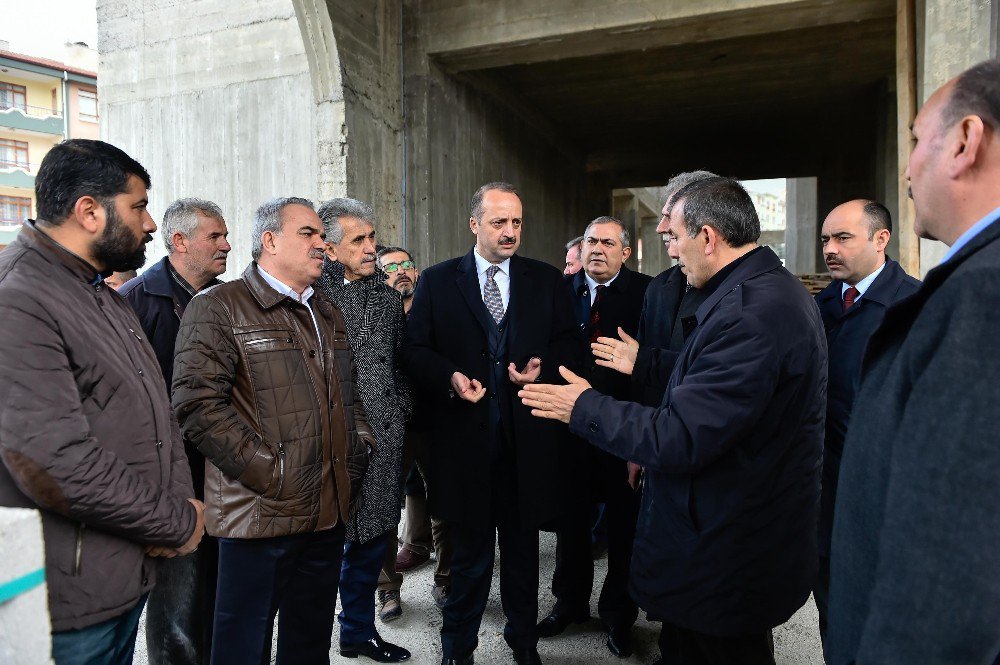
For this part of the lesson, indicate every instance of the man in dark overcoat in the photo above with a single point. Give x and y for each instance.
(606, 296)
(866, 282)
(916, 533)
(482, 325)
(725, 546)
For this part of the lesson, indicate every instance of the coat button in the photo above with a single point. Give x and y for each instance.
(312, 353)
(334, 460)
(382, 359)
(140, 372)
(593, 426)
(159, 444)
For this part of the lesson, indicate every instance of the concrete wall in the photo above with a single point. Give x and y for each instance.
(216, 100)
(24, 618)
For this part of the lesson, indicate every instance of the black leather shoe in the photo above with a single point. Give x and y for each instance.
(458, 661)
(557, 621)
(620, 640)
(527, 657)
(377, 649)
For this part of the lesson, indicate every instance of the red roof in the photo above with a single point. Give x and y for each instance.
(45, 62)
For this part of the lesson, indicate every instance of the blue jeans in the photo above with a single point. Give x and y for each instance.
(108, 643)
(358, 582)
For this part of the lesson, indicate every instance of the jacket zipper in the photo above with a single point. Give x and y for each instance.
(78, 556)
(281, 469)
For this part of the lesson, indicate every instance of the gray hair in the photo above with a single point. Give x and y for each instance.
(181, 217)
(622, 235)
(575, 242)
(268, 218)
(331, 211)
(682, 180)
(476, 207)
(723, 204)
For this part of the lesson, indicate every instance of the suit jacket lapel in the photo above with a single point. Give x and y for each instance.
(467, 280)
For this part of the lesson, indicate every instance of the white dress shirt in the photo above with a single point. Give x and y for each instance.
(502, 278)
(284, 289)
(863, 285)
(592, 285)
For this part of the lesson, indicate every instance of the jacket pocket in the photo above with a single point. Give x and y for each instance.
(357, 468)
(78, 549)
(264, 473)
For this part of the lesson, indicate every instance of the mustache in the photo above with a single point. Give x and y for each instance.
(316, 254)
(507, 240)
(367, 258)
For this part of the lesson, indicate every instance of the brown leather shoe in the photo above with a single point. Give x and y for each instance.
(407, 559)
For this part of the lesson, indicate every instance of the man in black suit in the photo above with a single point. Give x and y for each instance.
(607, 296)
(481, 326)
(866, 282)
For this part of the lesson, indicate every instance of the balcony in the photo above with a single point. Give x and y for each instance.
(17, 174)
(31, 118)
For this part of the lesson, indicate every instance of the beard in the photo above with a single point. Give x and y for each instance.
(117, 249)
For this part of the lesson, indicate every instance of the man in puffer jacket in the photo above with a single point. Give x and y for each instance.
(263, 386)
(86, 432)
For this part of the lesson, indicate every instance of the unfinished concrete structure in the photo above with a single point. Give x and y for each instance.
(413, 104)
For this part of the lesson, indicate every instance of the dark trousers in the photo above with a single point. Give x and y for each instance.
(471, 577)
(181, 607)
(821, 595)
(680, 646)
(358, 582)
(110, 642)
(573, 579)
(294, 576)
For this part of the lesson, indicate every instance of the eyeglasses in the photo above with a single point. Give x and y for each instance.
(393, 267)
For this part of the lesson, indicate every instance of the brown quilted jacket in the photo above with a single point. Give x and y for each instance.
(86, 433)
(272, 410)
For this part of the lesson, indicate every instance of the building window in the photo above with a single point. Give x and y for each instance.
(13, 96)
(14, 210)
(13, 153)
(88, 105)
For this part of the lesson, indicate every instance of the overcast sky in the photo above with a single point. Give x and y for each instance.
(41, 27)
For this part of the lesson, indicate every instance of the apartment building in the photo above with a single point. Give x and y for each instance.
(42, 102)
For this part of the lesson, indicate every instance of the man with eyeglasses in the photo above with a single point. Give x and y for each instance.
(420, 532)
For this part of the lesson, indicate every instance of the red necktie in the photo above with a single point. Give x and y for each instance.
(595, 314)
(849, 295)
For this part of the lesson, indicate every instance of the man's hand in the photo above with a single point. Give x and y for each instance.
(554, 402)
(634, 475)
(528, 375)
(192, 543)
(618, 354)
(469, 390)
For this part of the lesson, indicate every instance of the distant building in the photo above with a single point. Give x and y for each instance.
(42, 102)
(771, 211)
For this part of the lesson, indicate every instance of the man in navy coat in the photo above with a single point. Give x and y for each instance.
(916, 532)
(482, 325)
(725, 547)
(866, 282)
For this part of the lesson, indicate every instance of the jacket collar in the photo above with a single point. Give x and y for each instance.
(763, 260)
(938, 274)
(266, 296)
(620, 284)
(156, 280)
(37, 239)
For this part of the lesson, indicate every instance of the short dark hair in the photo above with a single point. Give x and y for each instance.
(476, 208)
(391, 250)
(82, 167)
(878, 217)
(575, 242)
(976, 92)
(723, 204)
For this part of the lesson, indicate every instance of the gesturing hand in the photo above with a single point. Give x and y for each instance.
(469, 390)
(618, 354)
(634, 475)
(527, 375)
(554, 402)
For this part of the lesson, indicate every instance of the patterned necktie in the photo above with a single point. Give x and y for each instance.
(849, 295)
(491, 294)
(595, 314)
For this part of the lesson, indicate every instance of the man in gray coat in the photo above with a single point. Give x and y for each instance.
(916, 534)
(86, 431)
(375, 321)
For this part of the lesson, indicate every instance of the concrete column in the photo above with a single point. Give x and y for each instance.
(957, 34)
(24, 606)
(801, 228)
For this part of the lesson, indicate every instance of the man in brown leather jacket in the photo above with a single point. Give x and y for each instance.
(263, 386)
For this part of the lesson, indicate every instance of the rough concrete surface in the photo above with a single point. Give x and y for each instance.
(795, 643)
(24, 618)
